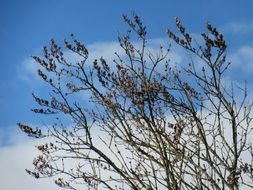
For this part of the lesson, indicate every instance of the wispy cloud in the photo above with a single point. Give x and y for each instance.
(104, 49)
(27, 70)
(242, 59)
(239, 27)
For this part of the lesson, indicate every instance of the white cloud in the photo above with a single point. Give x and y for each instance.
(27, 71)
(243, 59)
(104, 49)
(13, 162)
(19, 155)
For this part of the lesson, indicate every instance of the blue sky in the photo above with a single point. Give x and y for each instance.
(26, 26)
